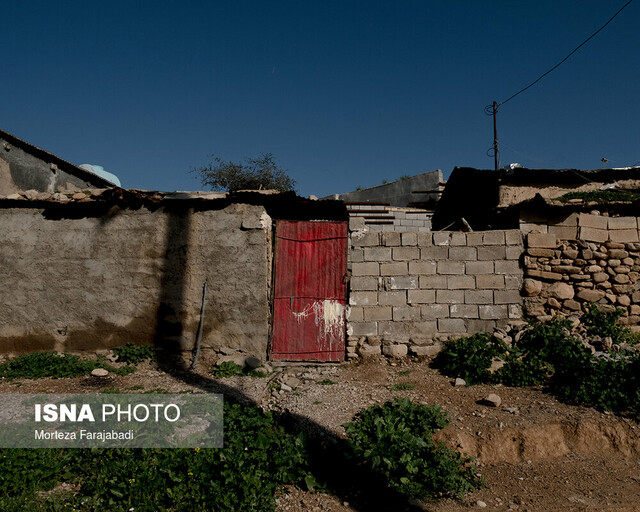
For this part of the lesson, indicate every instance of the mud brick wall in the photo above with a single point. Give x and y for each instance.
(409, 290)
(562, 276)
(88, 279)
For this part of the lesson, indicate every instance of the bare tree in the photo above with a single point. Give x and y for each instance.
(259, 173)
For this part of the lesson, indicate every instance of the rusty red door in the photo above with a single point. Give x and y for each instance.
(309, 291)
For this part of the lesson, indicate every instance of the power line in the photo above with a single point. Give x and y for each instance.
(563, 60)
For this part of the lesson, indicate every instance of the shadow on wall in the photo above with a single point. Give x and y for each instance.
(171, 314)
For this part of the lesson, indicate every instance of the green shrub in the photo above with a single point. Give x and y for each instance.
(134, 354)
(37, 365)
(258, 457)
(603, 323)
(227, 369)
(546, 354)
(470, 358)
(396, 441)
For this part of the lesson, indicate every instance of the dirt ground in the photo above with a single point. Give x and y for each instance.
(534, 453)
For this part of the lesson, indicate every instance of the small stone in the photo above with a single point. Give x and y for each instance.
(572, 305)
(78, 195)
(562, 291)
(553, 303)
(99, 372)
(395, 350)
(460, 382)
(531, 287)
(492, 400)
(31, 194)
(284, 387)
(590, 295)
(14, 196)
(292, 382)
(511, 410)
(481, 504)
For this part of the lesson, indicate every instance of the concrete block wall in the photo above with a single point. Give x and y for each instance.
(393, 218)
(584, 226)
(412, 289)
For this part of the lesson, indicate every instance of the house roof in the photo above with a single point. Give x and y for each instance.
(46, 156)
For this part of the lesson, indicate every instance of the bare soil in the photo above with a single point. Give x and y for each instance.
(537, 455)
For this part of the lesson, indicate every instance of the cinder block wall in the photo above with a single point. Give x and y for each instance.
(408, 290)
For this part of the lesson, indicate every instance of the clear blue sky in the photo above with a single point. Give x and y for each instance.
(343, 93)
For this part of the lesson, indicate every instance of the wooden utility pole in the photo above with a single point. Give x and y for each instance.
(495, 135)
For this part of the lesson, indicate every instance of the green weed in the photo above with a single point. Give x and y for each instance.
(396, 441)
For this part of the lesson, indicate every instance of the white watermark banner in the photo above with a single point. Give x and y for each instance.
(111, 421)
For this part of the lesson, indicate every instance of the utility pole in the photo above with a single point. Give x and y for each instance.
(495, 135)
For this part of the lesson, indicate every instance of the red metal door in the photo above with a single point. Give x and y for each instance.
(309, 291)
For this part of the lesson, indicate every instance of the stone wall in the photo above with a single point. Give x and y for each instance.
(409, 290)
(562, 276)
(85, 276)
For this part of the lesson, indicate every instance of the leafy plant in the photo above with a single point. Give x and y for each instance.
(470, 358)
(396, 441)
(37, 365)
(258, 457)
(134, 354)
(547, 354)
(327, 382)
(227, 369)
(600, 322)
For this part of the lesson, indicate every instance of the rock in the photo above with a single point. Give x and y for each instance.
(427, 351)
(31, 194)
(14, 196)
(99, 372)
(43, 196)
(511, 410)
(285, 387)
(572, 305)
(553, 303)
(618, 254)
(599, 277)
(78, 195)
(590, 295)
(481, 504)
(492, 400)
(460, 382)
(367, 350)
(395, 350)
(624, 300)
(531, 287)
(102, 352)
(227, 351)
(60, 197)
(562, 291)
(292, 382)
(496, 364)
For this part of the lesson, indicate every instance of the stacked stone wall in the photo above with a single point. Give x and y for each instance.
(563, 276)
(410, 290)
